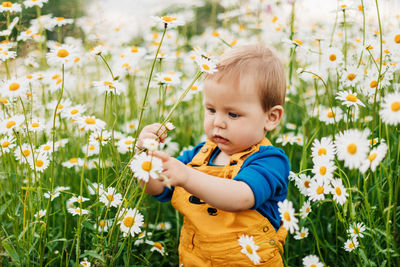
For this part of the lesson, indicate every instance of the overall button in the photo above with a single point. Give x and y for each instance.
(204, 149)
(265, 229)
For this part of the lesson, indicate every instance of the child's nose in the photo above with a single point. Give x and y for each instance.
(219, 121)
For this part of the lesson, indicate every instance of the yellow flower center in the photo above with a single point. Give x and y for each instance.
(167, 79)
(5, 144)
(74, 111)
(395, 106)
(356, 230)
(73, 160)
(249, 249)
(275, 18)
(147, 166)
(351, 76)
(39, 163)
(320, 190)
(397, 39)
(102, 223)
(78, 210)
(10, 124)
(62, 52)
(373, 84)
(92, 147)
(6, 4)
(134, 49)
(321, 151)
(77, 59)
(29, 76)
(110, 197)
(351, 98)
(332, 57)
(26, 152)
(35, 125)
(307, 184)
(168, 18)
(60, 18)
(338, 191)
(90, 121)
(331, 114)
(387, 51)
(307, 209)
(158, 245)
(322, 170)
(3, 100)
(352, 148)
(129, 221)
(372, 157)
(313, 265)
(46, 147)
(233, 42)
(297, 41)
(286, 215)
(206, 67)
(215, 33)
(128, 142)
(60, 106)
(303, 234)
(351, 245)
(13, 87)
(107, 83)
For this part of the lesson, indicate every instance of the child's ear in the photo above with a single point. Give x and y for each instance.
(273, 117)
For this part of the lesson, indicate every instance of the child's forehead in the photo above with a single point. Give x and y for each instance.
(237, 84)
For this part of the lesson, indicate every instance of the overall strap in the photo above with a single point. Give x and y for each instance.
(204, 154)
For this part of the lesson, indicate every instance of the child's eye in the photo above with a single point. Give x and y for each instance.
(211, 110)
(233, 115)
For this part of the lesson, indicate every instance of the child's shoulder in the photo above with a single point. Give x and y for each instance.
(271, 155)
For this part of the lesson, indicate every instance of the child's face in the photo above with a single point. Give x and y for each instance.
(234, 118)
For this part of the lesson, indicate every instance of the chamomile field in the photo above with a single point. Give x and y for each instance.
(78, 82)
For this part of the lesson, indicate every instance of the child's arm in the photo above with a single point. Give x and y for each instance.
(224, 194)
(152, 131)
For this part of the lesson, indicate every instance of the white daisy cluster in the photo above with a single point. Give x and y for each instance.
(355, 231)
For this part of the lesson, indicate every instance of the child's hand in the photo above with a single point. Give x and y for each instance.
(152, 131)
(176, 172)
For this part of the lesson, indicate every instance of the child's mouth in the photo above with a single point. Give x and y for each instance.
(220, 139)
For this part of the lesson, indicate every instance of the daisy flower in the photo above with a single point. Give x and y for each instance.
(92, 148)
(37, 125)
(156, 246)
(40, 214)
(111, 198)
(318, 189)
(352, 147)
(103, 225)
(303, 233)
(32, 3)
(146, 166)
(14, 88)
(332, 57)
(61, 143)
(78, 199)
(303, 183)
(101, 137)
(206, 65)
(163, 226)
(338, 191)
(10, 124)
(74, 112)
(169, 21)
(85, 263)
(349, 99)
(59, 107)
(63, 54)
(24, 152)
(351, 244)
(287, 215)
(323, 169)
(131, 222)
(125, 144)
(77, 211)
(8, 6)
(323, 148)
(375, 156)
(41, 162)
(356, 230)
(330, 115)
(167, 78)
(390, 109)
(7, 144)
(249, 248)
(312, 261)
(73, 162)
(51, 195)
(61, 21)
(6, 54)
(131, 126)
(305, 209)
(150, 144)
(351, 76)
(114, 87)
(95, 188)
(90, 123)
(62, 188)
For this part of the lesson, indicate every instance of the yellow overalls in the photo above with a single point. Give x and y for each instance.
(209, 236)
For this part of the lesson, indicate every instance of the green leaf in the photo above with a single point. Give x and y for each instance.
(11, 251)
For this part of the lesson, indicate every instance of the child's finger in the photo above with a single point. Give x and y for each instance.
(161, 155)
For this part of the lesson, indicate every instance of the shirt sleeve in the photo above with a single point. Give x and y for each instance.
(185, 158)
(266, 173)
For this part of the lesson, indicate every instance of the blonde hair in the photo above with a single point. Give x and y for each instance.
(258, 63)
